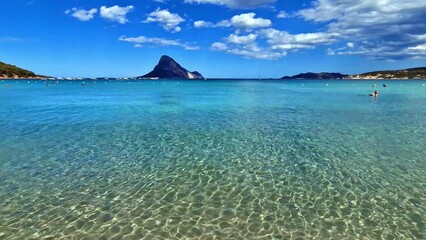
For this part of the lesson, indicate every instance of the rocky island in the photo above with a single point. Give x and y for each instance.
(322, 75)
(167, 67)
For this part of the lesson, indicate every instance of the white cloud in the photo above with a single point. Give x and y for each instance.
(381, 29)
(205, 24)
(116, 13)
(82, 14)
(282, 14)
(219, 46)
(236, 4)
(421, 48)
(330, 52)
(261, 54)
(155, 41)
(250, 51)
(245, 21)
(284, 40)
(271, 43)
(247, 47)
(169, 21)
(241, 39)
(202, 24)
(142, 41)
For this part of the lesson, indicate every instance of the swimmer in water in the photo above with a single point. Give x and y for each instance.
(374, 94)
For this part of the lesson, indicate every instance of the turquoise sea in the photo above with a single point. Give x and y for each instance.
(215, 159)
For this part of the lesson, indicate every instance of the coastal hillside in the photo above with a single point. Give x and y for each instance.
(410, 73)
(167, 67)
(322, 75)
(11, 71)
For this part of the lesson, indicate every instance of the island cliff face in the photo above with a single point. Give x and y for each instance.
(167, 67)
(310, 75)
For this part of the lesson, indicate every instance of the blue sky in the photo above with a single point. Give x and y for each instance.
(219, 38)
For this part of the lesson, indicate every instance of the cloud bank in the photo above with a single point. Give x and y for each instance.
(142, 41)
(377, 29)
(385, 29)
(243, 21)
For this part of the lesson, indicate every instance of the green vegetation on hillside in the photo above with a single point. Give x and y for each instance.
(405, 73)
(7, 70)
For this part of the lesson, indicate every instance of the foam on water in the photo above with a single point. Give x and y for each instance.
(212, 160)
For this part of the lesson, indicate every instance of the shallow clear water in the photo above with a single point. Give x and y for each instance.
(212, 160)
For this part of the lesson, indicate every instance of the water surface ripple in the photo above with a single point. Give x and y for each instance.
(212, 160)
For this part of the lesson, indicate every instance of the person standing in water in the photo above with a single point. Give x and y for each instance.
(374, 94)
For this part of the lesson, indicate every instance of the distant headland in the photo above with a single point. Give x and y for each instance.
(10, 71)
(322, 75)
(409, 73)
(168, 68)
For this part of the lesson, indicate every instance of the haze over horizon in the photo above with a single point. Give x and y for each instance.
(219, 38)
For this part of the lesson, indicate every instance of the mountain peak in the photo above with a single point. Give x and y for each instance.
(167, 67)
(166, 58)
